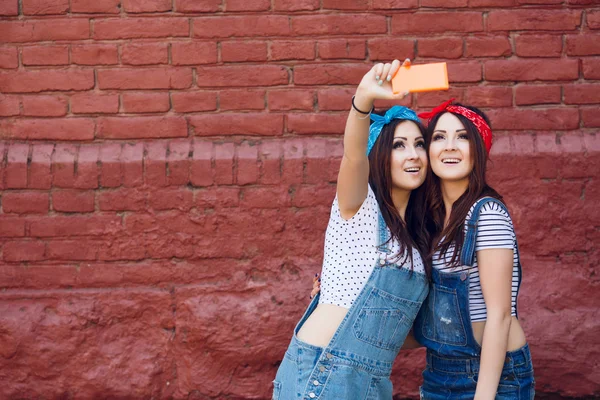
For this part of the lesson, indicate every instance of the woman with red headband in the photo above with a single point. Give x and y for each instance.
(476, 347)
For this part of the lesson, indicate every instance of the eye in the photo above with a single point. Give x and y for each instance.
(463, 136)
(398, 144)
(438, 136)
(420, 144)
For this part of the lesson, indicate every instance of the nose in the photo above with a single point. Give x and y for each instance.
(450, 144)
(413, 153)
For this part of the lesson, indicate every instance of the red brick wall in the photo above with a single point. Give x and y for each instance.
(167, 169)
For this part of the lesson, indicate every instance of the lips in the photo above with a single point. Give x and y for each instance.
(412, 169)
(451, 160)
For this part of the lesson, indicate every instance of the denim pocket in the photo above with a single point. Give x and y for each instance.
(442, 318)
(276, 390)
(384, 320)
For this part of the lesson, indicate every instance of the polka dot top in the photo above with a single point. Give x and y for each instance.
(351, 253)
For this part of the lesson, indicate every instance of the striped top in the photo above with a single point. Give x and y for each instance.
(495, 231)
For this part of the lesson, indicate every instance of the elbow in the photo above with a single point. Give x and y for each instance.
(499, 318)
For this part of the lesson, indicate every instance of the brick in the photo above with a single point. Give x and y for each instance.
(531, 70)
(184, 102)
(493, 46)
(430, 22)
(444, 4)
(144, 53)
(555, 119)
(224, 156)
(526, 95)
(44, 30)
(12, 227)
(69, 250)
(48, 129)
(492, 3)
(317, 161)
(94, 54)
(63, 165)
(330, 74)
(292, 50)
(178, 162)
(251, 25)
(75, 225)
(394, 4)
(286, 100)
(533, 19)
(87, 170)
(242, 100)
(342, 49)
(313, 196)
(44, 106)
(345, 4)
(590, 117)
(198, 5)
(593, 19)
(244, 76)
(335, 99)
(467, 71)
(15, 172)
(338, 24)
(9, 106)
(440, 48)
(246, 164)
(243, 51)
(24, 251)
(386, 49)
(193, 53)
(582, 93)
(40, 171)
(201, 171)
(141, 127)
(45, 7)
(489, 96)
(265, 197)
(132, 164)
(247, 5)
(134, 28)
(94, 103)
(583, 45)
(73, 201)
(237, 124)
(124, 199)
(591, 68)
(110, 164)
(171, 199)
(146, 6)
(9, 57)
(540, 1)
(538, 45)
(296, 5)
(316, 123)
(217, 197)
(25, 202)
(145, 102)
(293, 161)
(269, 154)
(9, 7)
(147, 78)
(155, 163)
(46, 80)
(96, 6)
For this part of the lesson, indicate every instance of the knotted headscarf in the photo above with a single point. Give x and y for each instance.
(396, 112)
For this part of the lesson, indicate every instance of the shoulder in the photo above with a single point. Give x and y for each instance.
(491, 210)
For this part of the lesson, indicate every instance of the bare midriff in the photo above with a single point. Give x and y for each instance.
(322, 324)
(516, 336)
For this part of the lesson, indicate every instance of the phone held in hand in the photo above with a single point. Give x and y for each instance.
(420, 78)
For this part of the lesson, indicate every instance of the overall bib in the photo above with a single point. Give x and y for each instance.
(357, 362)
(443, 325)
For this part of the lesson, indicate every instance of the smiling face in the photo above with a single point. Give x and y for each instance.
(408, 157)
(450, 149)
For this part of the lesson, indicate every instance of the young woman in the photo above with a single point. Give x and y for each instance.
(373, 279)
(476, 347)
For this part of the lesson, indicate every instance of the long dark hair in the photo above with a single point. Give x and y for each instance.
(409, 233)
(477, 188)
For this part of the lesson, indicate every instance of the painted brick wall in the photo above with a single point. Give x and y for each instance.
(167, 169)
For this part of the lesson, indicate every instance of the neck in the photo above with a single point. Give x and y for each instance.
(451, 191)
(400, 198)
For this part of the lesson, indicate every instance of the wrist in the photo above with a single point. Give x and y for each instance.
(363, 101)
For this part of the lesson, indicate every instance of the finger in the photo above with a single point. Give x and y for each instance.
(385, 72)
(400, 96)
(393, 70)
(378, 71)
(406, 62)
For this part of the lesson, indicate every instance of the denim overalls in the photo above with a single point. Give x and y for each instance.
(444, 326)
(357, 362)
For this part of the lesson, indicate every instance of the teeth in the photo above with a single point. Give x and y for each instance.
(451, 161)
(416, 169)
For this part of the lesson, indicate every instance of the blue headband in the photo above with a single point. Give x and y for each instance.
(396, 112)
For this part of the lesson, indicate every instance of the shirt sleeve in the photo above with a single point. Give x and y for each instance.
(367, 212)
(495, 228)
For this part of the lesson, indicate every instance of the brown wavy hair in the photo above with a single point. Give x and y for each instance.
(453, 233)
(410, 233)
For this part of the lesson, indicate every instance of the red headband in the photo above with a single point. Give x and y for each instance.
(484, 129)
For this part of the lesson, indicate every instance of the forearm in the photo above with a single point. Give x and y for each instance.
(493, 354)
(356, 134)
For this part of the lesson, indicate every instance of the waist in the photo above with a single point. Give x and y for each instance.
(321, 325)
(470, 365)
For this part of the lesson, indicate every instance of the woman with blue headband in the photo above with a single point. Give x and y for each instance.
(373, 277)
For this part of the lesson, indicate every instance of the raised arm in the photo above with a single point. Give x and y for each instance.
(353, 178)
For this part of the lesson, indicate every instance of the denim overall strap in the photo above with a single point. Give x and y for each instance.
(383, 237)
(467, 255)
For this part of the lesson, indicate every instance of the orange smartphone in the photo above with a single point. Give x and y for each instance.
(421, 78)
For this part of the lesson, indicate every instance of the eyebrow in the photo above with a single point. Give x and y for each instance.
(403, 138)
(458, 130)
